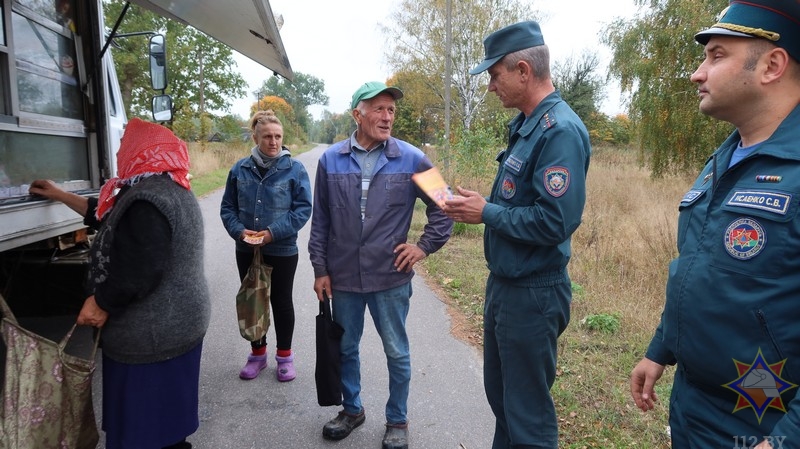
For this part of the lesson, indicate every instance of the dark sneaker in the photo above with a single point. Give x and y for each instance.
(341, 426)
(396, 436)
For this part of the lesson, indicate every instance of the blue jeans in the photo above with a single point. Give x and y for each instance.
(389, 309)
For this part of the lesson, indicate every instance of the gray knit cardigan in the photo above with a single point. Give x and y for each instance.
(172, 318)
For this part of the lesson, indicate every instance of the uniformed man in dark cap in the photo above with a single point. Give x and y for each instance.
(535, 205)
(731, 321)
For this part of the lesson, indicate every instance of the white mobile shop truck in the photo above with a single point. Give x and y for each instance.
(61, 118)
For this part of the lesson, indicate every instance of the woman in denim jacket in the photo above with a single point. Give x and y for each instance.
(268, 199)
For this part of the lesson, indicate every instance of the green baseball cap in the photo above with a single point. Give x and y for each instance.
(516, 37)
(371, 90)
(775, 20)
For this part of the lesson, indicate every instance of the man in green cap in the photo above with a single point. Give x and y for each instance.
(535, 205)
(363, 202)
(730, 322)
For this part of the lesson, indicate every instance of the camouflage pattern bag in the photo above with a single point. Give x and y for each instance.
(252, 301)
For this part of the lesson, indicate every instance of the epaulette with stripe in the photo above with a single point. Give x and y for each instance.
(548, 121)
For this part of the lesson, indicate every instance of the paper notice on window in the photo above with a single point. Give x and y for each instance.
(431, 182)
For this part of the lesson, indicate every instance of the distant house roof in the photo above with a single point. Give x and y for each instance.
(215, 138)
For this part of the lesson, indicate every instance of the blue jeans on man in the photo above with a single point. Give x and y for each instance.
(389, 309)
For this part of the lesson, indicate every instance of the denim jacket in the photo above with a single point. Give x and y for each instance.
(280, 202)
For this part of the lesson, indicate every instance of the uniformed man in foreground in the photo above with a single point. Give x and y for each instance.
(731, 321)
(535, 205)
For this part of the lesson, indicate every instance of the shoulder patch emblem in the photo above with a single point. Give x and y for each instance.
(556, 180)
(744, 238)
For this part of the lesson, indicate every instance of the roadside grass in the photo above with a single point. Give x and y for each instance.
(619, 264)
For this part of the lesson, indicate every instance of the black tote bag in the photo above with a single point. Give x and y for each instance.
(328, 372)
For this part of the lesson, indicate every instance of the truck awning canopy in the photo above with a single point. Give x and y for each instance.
(247, 26)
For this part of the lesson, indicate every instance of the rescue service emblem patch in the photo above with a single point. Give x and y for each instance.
(744, 238)
(556, 180)
(508, 188)
(759, 385)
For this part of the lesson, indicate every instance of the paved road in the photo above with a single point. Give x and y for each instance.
(447, 406)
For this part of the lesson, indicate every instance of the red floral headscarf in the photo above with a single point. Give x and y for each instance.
(145, 149)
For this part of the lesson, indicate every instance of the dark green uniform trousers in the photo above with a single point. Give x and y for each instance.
(522, 322)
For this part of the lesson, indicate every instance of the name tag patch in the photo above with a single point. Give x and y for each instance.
(768, 201)
(513, 164)
(691, 196)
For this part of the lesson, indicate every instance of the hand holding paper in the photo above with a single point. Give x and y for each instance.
(432, 183)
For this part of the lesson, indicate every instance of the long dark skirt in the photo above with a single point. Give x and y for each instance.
(151, 405)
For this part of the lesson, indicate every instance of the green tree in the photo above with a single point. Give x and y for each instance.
(419, 113)
(229, 127)
(332, 127)
(184, 125)
(654, 55)
(580, 85)
(417, 46)
(300, 93)
(200, 70)
(130, 53)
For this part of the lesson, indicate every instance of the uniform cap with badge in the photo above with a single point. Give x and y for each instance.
(516, 37)
(777, 21)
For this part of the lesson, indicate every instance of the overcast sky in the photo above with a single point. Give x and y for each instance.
(340, 43)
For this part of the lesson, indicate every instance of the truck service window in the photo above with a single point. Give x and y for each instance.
(43, 134)
(46, 75)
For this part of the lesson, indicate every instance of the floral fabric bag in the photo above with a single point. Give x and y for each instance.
(47, 393)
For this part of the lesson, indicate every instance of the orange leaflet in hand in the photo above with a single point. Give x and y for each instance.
(432, 183)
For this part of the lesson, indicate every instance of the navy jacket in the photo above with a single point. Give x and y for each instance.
(538, 195)
(733, 293)
(359, 256)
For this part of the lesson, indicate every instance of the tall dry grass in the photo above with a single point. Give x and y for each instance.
(210, 156)
(620, 258)
(627, 238)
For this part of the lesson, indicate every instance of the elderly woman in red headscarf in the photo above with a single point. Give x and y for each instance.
(146, 289)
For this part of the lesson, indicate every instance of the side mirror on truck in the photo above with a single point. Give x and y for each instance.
(162, 108)
(162, 104)
(158, 62)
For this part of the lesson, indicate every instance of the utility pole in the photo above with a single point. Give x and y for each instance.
(448, 61)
